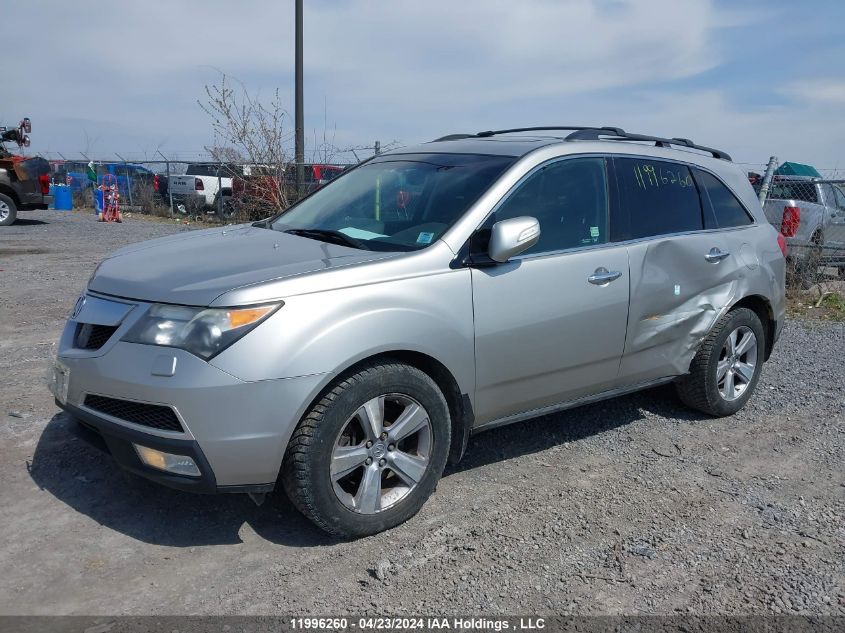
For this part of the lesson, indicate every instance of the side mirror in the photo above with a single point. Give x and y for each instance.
(512, 237)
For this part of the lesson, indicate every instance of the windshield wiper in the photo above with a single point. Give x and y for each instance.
(326, 235)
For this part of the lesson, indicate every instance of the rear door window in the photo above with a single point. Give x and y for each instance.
(660, 197)
(727, 210)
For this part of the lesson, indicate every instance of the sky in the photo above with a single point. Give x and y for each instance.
(755, 78)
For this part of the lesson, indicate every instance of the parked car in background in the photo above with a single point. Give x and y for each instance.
(314, 175)
(264, 190)
(201, 187)
(24, 181)
(348, 347)
(259, 192)
(810, 213)
(24, 185)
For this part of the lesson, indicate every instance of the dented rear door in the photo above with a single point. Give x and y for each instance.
(677, 293)
(682, 276)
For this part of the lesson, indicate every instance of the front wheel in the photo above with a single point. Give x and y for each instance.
(8, 210)
(726, 369)
(370, 452)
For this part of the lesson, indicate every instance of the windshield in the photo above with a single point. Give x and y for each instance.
(395, 203)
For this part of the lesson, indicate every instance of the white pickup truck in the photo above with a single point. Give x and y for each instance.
(810, 213)
(200, 188)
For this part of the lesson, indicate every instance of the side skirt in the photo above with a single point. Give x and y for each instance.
(570, 404)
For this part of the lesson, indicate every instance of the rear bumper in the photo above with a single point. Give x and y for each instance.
(35, 201)
(189, 198)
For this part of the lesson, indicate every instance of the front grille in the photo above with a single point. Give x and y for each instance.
(152, 415)
(90, 336)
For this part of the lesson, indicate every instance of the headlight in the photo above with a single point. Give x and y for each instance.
(201, 331)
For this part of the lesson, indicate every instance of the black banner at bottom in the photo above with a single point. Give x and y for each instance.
(458, 623)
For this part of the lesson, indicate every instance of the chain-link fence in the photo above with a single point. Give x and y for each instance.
(807, 206)
(201, 189)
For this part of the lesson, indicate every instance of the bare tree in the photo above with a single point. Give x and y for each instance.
(224, 154)
(254, 130)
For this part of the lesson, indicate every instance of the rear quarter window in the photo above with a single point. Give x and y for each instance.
(725, 210)
(659, 197)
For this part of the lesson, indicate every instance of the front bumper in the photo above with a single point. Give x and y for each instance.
(117, 441)
(235, 430)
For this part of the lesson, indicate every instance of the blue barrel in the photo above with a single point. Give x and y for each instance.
(62, 198)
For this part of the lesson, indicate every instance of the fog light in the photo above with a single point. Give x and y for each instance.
(177, 464)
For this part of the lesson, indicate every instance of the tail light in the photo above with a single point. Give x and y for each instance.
(156, 183)
(198, 184)
(791, 221)
(44, 180)
(782, 244)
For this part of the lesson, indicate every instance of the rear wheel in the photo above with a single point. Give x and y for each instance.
(727, 367)
(370, 452)
(8, 210)
(225, 211)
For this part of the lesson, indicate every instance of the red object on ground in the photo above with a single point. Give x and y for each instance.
(111, 199)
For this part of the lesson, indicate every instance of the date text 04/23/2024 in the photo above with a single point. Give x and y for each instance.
(418, 623)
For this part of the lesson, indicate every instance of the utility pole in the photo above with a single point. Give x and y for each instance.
(299, 150)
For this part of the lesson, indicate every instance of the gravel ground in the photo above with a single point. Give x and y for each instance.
(632, 506)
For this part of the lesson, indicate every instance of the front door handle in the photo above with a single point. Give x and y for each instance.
(716, 255)
(603, 276)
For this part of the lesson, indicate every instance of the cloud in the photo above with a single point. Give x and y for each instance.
(827, 90)
(129, 78)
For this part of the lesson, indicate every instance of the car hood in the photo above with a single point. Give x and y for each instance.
(195, 267)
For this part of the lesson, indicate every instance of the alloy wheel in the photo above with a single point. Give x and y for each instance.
(381, 453)
(737, 363)
(4, 211)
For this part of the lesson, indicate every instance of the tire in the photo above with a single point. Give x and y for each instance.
(703, 388)
(340, 497)
(8, 210)
(228, 210)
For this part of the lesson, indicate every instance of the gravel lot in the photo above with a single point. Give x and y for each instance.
(635, 505)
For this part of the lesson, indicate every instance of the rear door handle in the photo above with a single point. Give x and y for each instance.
(715, 255)
(603, 276)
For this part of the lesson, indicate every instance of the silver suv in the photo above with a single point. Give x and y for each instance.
(348, 347)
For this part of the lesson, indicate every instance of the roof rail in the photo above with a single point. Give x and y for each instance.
(543, 128)
(453, 137)
(596, 134)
